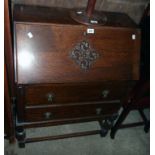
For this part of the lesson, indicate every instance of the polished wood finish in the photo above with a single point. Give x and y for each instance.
(79, 92)
(117, 57)
(71, 111)
(8, 52)
(8, 114)
(90, 7)
(8, 77)
(40, 15)
(53, 88)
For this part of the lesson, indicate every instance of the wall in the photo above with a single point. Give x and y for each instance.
(134, 8)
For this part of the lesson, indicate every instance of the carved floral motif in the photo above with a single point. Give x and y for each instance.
(84, 55)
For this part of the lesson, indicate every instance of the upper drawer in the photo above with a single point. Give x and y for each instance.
(70, 93)
(58, 54)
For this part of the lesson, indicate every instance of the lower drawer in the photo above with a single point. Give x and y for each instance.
(71, 111)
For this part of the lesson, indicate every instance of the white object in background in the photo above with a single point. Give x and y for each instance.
(30, 35)
(133, 36)
(79, 12)
(92, 31)
(94, 21)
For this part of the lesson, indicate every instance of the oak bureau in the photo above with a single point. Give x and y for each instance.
(69, 72)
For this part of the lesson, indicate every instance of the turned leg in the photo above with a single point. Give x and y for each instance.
(106, 125)
(104, 128)
(20, 135)
(121, 118)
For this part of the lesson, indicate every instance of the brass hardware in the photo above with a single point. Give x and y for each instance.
(105, 93)
(50, 97)
(98, 111)
(47, 115)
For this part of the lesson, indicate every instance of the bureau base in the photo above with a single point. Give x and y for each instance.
(105, 125)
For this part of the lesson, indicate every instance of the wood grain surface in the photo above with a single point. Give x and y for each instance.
(77, 92)
(45, 58)
(71, 111)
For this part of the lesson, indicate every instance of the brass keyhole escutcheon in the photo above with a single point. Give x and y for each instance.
(98, 111)
(105, 93)
(50, 97)
(47, 115)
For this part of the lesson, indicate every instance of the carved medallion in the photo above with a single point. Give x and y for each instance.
(84, 55)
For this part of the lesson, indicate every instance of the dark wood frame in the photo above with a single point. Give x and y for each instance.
(8, 119)
(138, 99)
(9, 92)
(90, 7)
(105, 122)
(118, 125)
(104, 125)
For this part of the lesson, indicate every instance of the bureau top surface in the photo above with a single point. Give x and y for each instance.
(38, 14)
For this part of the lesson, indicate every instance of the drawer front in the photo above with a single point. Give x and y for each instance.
(63, 93)
(71, 111)
(58, 54)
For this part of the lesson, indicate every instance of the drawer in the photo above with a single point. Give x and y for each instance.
(68, 93)
(71, 111)
(64, 53)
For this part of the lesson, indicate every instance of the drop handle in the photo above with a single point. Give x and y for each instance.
(47, 115)
(98, 111)
(105, 93)
(50, 97)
